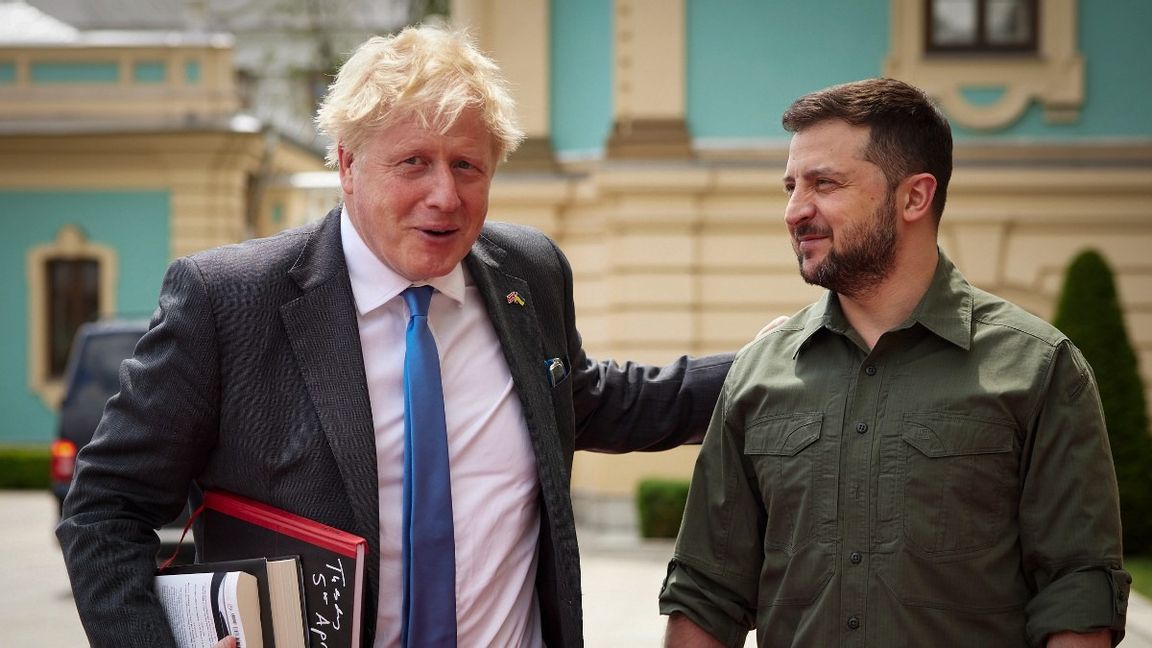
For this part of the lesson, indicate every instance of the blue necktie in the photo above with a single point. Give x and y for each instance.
(429, 551)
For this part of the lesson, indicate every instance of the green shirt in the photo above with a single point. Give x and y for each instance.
(951, 487)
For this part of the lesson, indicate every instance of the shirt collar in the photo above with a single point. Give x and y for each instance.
(945, 310)
(375, 283)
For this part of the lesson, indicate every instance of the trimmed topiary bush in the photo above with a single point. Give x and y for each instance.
(660, 506)
(1089, 314)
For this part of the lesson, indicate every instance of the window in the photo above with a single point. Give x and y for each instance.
(994, 26)
(987, 62)
(71, 280)
(73, 297)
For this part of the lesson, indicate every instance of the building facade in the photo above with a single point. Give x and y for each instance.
(118, 152)
(654, 158)
(656, 154)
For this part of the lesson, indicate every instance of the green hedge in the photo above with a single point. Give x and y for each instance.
(1141, 569)
(660, 506)
(24, 467)
(1089, 314)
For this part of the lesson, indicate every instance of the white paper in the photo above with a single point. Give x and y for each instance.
(187, 600)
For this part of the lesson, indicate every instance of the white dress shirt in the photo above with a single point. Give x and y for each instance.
(495, 508)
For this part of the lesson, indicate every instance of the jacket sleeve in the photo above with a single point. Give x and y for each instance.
(135, 474)
(1069, 510)
(629, 406)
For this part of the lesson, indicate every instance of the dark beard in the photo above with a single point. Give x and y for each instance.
(859, 266)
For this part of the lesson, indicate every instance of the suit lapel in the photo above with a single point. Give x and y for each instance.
(322, 329)
(521, 337)
(518, 330)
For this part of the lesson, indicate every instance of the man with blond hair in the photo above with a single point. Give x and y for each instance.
(280, 370)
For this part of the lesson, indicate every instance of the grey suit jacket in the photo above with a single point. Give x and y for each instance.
(251, 380)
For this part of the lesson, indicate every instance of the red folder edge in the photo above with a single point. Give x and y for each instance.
(289, 524)
(301, 528)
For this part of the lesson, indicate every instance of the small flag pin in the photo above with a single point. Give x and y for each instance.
(514, 298)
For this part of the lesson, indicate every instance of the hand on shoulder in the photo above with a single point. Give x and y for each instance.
(771, 325)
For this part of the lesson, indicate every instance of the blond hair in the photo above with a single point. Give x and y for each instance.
(428, 72)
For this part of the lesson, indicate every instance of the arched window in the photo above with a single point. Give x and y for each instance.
(73, 297)
(70, 281)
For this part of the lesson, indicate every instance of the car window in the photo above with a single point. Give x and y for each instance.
(98, 364)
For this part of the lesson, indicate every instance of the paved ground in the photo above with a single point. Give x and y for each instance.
(36, 608)
(621, 580)
(622, 577)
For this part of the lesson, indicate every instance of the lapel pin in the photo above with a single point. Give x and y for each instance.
(514, 298)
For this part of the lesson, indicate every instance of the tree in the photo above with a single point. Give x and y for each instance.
(1089, 314)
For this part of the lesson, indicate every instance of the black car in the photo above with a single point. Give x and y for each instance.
(91, 378)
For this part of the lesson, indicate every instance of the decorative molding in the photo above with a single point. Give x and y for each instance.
(534, 154)
(648, 139)
(1054, 76)
(516, 33)
(649, 81)
(70, 244)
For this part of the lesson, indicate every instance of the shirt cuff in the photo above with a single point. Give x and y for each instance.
(704, 601)
(1087, 600)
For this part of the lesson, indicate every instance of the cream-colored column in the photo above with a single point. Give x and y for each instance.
(516, 34)
(649, 289)
(649, 81)
(208, 179)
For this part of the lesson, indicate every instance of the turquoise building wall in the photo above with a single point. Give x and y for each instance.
(1114, 41)
(1118, 81)
(133, 223)
(581, 71)
(748, 59)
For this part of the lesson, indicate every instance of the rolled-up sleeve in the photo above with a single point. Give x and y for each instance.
(1089, 600)
(1070, 511)
(714, 574)
(709, 603)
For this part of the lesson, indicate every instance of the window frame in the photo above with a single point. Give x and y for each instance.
(1052, 77)
(70, 244)
(981, 45)
(67, 305)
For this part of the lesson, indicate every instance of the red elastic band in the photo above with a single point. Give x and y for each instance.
(187, 525)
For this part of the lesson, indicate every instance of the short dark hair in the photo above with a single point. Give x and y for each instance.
(908, 133)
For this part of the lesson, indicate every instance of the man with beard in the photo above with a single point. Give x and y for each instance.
(910, 461)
